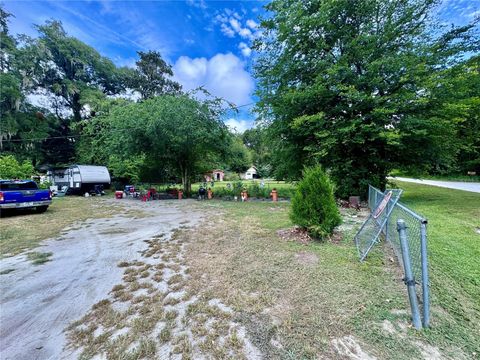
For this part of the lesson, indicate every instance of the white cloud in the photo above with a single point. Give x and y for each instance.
(238, 126)
(231, 25)
(223, 75)
(252, 24)
(227, 30)
(197, 3)
(245, 33)
(235, 24)
(246, 51)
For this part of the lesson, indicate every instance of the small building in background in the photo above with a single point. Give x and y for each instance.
(215, 175)
(251, 173)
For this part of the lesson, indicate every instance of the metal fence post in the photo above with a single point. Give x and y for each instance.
(425, 289)
(388, 220)
(409, 280)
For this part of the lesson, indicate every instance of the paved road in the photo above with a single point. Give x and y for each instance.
(457, 185)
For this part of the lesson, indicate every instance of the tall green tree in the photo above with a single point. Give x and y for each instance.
(238, 158)
(22, 125)
(72, 70)
(337, 78)
(176, 134)
(257, 140)
(152, 76)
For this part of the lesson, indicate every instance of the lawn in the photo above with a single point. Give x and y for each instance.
(296, 299)
(454, 252)
(319, 295)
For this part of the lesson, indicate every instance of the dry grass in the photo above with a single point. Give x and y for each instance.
(295, 298)
(15, 237)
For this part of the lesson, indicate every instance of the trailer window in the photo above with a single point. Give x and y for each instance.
(27, 185)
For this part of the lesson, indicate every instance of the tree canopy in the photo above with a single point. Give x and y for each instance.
(179, 135)
(152, 77)
(348, 83)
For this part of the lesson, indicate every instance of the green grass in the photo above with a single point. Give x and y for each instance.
(454, 253)
(450, 177)
(285, 189)
(38, 258)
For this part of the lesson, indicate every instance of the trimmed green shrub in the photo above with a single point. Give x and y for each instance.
(313, 204)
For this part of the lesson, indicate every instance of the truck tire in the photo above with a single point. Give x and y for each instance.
(41, 209)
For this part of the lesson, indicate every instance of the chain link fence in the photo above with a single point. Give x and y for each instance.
(416, 236)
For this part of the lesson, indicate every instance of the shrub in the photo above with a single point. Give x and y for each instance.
(10, 168)
(313, 204)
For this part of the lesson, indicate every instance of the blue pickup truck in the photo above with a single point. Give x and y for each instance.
(23, 194)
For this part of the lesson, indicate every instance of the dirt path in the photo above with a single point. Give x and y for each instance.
(39, 302)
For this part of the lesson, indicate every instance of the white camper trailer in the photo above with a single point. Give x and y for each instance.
(80, 178)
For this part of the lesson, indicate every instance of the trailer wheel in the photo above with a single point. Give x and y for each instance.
(41, 209)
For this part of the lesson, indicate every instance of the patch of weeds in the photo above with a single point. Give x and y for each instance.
(175, 279)
(38, 258)
(182, 345)
(134, 286)
(118, 287)
(131, 270)
(234, 340)
(171, 301)
(129, 278)
(123, 296)
(178, 286)
(6, 271)
(143, 324)
(139, 299)
(157, 277)
(145, 350)
(171, 315)
(165, 335)
(101, 303)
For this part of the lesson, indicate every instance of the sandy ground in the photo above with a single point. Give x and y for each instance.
(39, 302)
(456, 185)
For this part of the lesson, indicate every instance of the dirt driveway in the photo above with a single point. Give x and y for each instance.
(39, 302)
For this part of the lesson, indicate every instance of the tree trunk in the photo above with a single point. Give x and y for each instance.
(186, 183)
(76, 107)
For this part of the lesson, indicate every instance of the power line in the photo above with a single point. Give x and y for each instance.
(79, 135)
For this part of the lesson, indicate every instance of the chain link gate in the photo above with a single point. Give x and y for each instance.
(415, 232)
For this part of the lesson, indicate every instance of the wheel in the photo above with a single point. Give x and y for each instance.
(41, 209)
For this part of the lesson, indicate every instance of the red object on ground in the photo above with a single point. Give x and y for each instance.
(180, 194)
(118, 194)
(209, 194)
(274, 195)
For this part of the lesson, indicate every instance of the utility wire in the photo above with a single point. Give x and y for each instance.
(78, 135)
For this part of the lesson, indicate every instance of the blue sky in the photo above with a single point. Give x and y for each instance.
(207, 42)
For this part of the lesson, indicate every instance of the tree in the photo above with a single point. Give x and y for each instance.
(152, 77)
(313, 203)
(338, 79)
(258, 142)
(238, 158)
(22, 125)
(169, 133)
(10, 168)
(72, 70)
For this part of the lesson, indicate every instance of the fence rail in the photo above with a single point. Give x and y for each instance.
(416, 236)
